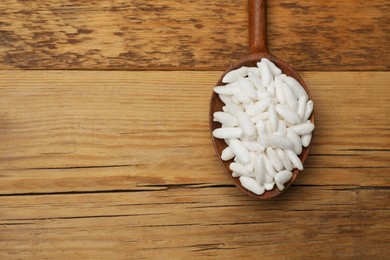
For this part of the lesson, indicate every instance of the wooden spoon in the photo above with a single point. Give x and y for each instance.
(258, 49)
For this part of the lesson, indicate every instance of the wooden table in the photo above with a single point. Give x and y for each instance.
(105, 150)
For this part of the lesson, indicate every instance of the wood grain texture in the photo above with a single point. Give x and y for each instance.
(257, 26)
(120, 165)
(102, 165)
(195, 223)
(67, 131)
(190, 35)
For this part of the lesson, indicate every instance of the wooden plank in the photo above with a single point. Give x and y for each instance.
(64, 131)
(190, 35)
(197, 223)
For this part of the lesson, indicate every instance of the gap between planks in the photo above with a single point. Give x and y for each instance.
(63, 131)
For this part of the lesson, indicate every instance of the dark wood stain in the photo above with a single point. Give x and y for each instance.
(190, 35)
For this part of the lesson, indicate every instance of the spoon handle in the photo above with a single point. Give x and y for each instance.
(257, 26)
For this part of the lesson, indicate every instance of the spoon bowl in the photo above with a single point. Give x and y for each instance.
(259, 50)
